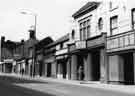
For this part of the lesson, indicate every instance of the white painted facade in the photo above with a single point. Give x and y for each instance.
(120, 8)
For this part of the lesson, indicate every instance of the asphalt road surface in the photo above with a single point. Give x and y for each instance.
(11, 86)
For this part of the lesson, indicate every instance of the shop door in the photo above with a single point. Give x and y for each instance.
(48, 69)
(128, 68)
(96, 65)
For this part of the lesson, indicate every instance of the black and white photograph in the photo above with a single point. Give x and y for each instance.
(67, 47)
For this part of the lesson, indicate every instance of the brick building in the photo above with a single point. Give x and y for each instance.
(7, 54)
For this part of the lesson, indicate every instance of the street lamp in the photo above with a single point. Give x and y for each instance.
(33, 14)
(35, 26)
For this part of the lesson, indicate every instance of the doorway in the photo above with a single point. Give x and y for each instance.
(49, 70)
(80, 66)
(96, 65)
(128, 68)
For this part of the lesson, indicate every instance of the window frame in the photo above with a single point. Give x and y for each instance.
(132, 18)
(84, 24)
(100, 23)
(111, 24)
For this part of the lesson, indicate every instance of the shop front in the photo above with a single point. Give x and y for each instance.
(121, 54)
(90, 55)
(77, 60)
(8, 65)
(38, 66)
(50, 67)
(61, 63)
(61, 66)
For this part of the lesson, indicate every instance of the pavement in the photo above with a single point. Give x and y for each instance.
(89, 84)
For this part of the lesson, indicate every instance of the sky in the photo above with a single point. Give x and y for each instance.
(53, 17)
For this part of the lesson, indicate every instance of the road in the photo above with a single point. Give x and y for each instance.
(11, 86)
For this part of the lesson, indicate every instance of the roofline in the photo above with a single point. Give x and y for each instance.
(57, 41)
(76, 15)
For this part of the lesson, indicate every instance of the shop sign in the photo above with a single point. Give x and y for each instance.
(61, 57)
(62, 51)
(8, 60)
(80, 44)
(96, 41)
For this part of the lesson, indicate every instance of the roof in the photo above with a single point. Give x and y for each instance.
(44, 42)
(9, 44)
(62, 39)
(86, 7)
(31, 42)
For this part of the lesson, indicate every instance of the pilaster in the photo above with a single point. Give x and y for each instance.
(74, 67)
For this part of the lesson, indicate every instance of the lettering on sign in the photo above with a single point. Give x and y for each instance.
(80, 44)
(62, 51)
(96, 41)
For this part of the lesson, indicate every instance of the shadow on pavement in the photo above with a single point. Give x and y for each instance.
(10, 79)
(8, 89)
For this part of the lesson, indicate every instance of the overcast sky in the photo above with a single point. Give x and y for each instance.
(54, 17)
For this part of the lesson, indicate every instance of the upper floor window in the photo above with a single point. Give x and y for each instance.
(61, 45)
(114, 25)
(73, 34)
(57, 47)
(84, 28)
(100, 24)
(65, 44)
(133, 18)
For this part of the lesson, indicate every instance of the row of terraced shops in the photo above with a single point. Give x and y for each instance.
(105, 60)
(99, 61)
(93, 55)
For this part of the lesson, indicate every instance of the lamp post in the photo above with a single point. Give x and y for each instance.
(35, 28)
(35, 17)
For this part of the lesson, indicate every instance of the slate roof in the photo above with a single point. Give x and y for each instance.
(44, 42)
(85, 8)
(62, 39)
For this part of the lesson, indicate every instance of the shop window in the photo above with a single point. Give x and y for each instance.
(61, 45)
(114, 25)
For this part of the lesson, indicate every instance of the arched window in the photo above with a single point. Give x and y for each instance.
(100, 24)
(73, 34)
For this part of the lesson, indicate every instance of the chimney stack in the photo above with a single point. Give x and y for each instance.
(22, 41)
(2, 39)
(32, 34)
